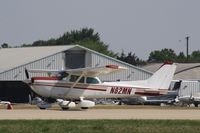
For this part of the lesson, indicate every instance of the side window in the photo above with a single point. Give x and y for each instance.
(82, 80)
(91, 80)
(73, 78)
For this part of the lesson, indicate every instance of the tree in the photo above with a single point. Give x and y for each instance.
(122, 56)
(97, 46)
(86, 37)
(195, 56)
(131, 58)
(75, 36)
(39, 43)
(163, 55)
(4, 45)
(181, 58)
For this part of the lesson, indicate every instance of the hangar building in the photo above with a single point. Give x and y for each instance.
(15, 60)
(187, 74)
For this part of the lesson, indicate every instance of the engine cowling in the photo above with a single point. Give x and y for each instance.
(85, 104)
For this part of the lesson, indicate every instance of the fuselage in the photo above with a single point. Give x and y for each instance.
(66, 89)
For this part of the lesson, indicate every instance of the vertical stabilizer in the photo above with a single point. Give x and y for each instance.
(162, 78)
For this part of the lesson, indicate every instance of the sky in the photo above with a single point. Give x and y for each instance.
(137, 26)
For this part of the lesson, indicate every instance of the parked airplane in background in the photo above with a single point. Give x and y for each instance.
(168, 98)
(9, 106)
(83, 83)
(4, 102)
(192, 99)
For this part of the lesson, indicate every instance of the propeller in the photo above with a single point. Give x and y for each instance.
(28, 81)
(191, 95)
(27, 74)
(191, 98)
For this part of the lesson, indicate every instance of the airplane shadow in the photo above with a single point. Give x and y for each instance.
(68, 110)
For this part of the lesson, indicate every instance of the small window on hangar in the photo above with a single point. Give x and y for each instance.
(75, 58)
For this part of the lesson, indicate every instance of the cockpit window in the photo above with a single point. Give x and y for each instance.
(91, 80)
(62, 75)
(73, 78)
(81, 80)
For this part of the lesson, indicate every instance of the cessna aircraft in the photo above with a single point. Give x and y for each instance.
(83, 83)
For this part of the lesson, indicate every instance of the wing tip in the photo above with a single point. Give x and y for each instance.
(112, 66)
(168, 63)
(115, 67)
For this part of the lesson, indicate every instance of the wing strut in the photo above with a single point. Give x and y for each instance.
(79, 78)
(75, 83)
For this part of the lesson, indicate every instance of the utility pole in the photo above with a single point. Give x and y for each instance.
(187, 46)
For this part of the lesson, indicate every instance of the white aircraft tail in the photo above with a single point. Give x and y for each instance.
(162, 78)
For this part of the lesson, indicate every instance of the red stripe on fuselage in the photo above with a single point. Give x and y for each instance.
(71, 88)
(148, 94)
(138, 91)
(45, 78)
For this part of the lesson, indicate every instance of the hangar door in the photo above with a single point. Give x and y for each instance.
(75, 59)
(14, 91)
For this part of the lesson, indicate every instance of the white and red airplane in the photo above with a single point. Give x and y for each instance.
(83, 83)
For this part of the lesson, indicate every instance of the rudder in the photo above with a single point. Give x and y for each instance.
(162, 78)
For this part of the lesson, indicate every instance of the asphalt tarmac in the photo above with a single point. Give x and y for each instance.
(144, 113)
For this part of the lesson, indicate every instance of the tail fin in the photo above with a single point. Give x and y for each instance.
(163, 76)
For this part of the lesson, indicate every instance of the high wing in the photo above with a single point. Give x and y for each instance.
(96, 71)
(88, 71)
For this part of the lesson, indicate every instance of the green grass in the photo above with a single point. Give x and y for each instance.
(99, 126)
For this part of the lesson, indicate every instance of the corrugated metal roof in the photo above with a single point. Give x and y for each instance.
(13, 57)
(192, 74)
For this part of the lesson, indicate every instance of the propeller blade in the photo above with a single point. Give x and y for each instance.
(191, 95)
(27, 74)
(191, 98)
(29, 99)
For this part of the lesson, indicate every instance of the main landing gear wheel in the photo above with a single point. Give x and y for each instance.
(65, 108)
(42, 108)
(84, 108)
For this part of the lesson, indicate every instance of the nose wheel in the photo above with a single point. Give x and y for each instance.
(84, 108)
(65, 108)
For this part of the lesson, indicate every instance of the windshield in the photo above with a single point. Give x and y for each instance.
(74, 78)
(91, 80)
(62, 75)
